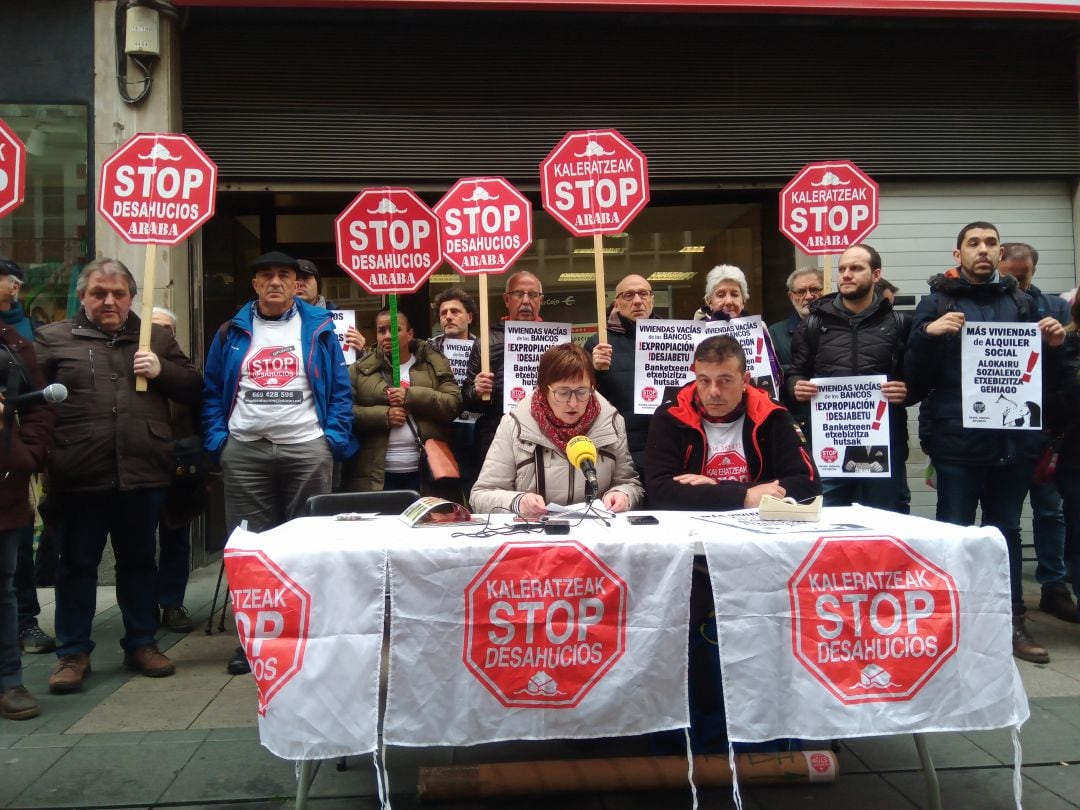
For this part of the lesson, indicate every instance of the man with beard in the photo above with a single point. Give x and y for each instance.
(977, 466)
(849, 333)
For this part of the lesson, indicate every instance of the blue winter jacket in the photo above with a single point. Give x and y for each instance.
(323, 361)
(932, 372)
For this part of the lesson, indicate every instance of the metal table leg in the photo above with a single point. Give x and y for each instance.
(933, 789)
(305, 775)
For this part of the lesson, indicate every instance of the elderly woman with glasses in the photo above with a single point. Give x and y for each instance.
(527, 466)
(726, 294)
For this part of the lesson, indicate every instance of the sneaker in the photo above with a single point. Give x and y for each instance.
(17, 703)
(1024, 646)
(148, 660)
(238, 664)
(177, 619)
(34, 640)
(1058, 602)
(70, 672)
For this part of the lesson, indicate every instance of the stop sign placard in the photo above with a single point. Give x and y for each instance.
(12, 170)
(873, 618)
(827, 207)
(388, 240)
(272, 615)
(486, 225)
(157, 189)
(594, 182)
(543, 623)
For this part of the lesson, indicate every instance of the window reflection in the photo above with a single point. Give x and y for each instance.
(47, 234)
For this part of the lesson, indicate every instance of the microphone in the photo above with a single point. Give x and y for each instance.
(582, 454)
(50, 393)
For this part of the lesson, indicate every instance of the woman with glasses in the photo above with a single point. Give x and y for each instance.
(726, 294)
(527, 467)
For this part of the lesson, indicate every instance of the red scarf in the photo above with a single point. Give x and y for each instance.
(557, 430)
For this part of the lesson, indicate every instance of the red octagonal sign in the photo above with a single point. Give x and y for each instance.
(12, 170)
(544, 622)
(827, 207)
(157, 189)
(272, 614)
(873, 618)
(594, 182)
(388, 240)
(486, 225)
(274, 366)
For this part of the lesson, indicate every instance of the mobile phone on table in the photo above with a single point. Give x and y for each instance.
(641, 520)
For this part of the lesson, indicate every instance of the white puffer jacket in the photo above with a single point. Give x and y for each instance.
(522, 459)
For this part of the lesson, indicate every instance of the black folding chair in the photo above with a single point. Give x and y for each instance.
(388, 502)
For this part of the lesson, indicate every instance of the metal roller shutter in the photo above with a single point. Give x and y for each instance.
(430, 97)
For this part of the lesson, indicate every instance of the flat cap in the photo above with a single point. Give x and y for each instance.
(9, 267)
(275, 258)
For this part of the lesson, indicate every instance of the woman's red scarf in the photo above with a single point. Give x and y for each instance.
(557, 430)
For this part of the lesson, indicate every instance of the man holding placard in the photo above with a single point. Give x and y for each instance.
(484, 392)
(987, 465)
(456, 310)
(853, 333)
(111, 465)
(613, 361)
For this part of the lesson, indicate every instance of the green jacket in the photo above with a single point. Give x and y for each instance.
(433, 402)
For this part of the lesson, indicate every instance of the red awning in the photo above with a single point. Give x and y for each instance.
(952, 8)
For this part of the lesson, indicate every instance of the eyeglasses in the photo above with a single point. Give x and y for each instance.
(630, 295)
(532, 295)
(564, 395)
(805, 291)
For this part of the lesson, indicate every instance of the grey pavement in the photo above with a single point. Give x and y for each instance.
(192, 741)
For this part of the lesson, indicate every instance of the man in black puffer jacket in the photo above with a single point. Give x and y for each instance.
(614, 361)
(851, 333)
(976, 467)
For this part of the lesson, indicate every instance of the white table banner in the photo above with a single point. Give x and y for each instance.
(540, 638)
(313, 634)
(868, 633)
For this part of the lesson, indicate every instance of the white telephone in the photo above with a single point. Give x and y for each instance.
(772, 508)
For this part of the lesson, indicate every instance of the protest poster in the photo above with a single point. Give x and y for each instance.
(458, 353)
(751, 336)
(1001, 376)
(343, 319)
(849, 423)
(663, 353)
(525, 342)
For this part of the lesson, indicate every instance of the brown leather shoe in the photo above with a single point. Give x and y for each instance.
(149, 661)
(71, 671)
(1057, 601)
(1024, 646)
(17, 703)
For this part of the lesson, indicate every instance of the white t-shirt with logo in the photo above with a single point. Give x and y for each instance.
(402, 452)
(725, 456)
(274, 400)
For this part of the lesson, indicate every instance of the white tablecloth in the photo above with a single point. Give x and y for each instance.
(592, 641)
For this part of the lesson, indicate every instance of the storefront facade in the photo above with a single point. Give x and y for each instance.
(969, 113)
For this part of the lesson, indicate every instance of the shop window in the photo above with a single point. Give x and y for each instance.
(47, 234)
